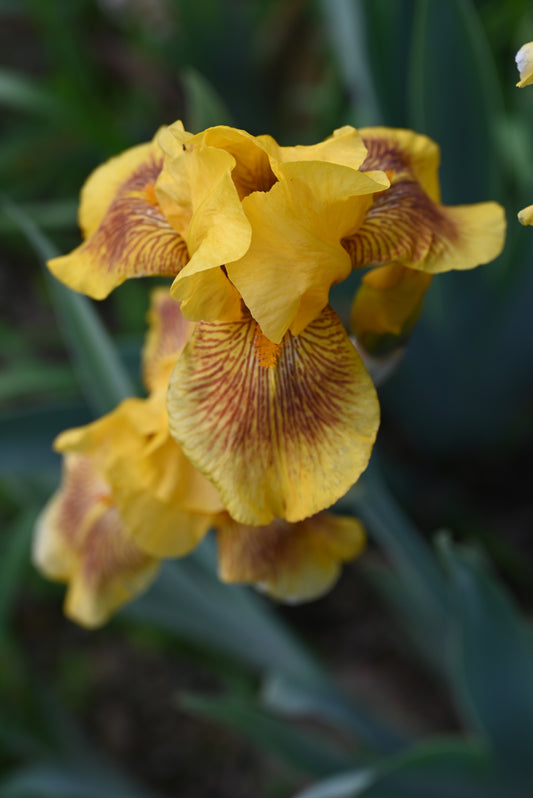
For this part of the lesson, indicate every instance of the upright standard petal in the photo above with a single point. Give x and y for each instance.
(126, 233)
(290, 562)
(295, 255)
(199, 198)
(282, 430)
(524, 63)
(80, 539)
(407, 225)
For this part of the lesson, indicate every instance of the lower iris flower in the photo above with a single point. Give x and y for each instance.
(130, 496)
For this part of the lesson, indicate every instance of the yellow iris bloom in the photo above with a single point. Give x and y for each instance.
(269, 399)
(129, 497)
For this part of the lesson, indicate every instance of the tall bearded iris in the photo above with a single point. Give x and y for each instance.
(269, 400)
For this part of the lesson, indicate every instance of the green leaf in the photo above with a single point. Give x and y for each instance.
(346, 26)
(27, 436)
(326, 703)
(204, 106)
(51, 215)
(493, 659)
(69, 780)
(23, 94)
(404, 546)
(435, 769)
(190, 601)
(104, 380)
(457, 100)
(301, 749)
(14, 557)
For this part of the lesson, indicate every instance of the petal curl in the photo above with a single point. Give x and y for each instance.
(296, 241)
(126, 233)
(281, 430)
(290, 562)
(386, 306)
(165, 504)
(524, 63)
(408, 226)
(344, 147)
(251, 171)
(199, 198)
(80, 539)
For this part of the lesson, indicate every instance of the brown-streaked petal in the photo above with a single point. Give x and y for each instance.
(168, 332)
(126, 234)
(404, 226)
(282, 430)
(290, 562)
(386, 306)
(80, 539)
(403, 155)
(407, 225)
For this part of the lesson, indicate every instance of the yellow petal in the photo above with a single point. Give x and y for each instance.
(525, 216)
(251, 172)
(168, 332)
(524, 63)
(80, 539)
(296, 254)
(126, 233)
(165, 504)
(281, 430)
(404, 226)
(344, 147)
(291, 562)
(199, 198)
(386, 306)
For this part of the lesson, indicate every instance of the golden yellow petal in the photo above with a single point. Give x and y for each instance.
(524, 63)
(281, 430)
(126, 233)
(295, 255)
(386, 306)
(404, 226)
(168, 332)
(165, 504)
(404, 155)
(199, 198)
(252, 171)
(344, 147)
(525, 216)
(81, 540)
(291, 562)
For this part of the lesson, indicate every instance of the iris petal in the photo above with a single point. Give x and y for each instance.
(407, 224)
(81, 540)
(282, 430)
(291, 562)
(126, 233)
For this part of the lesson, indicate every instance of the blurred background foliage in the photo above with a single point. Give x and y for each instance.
(415, 676)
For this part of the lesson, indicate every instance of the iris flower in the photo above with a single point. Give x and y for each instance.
(269, 400)
(130, 497)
